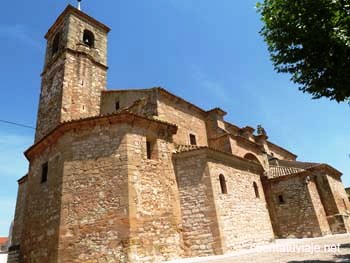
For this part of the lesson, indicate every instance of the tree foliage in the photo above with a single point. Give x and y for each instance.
(310, 39)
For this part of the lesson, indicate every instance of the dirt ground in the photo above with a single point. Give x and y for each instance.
(324, 249)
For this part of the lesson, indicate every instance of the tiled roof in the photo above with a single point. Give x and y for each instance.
(278, 171)
(186, 148)
(295, 164)
(280, 168)
(63, 126)
(3, 240)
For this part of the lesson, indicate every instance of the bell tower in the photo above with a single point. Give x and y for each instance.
(75, 70)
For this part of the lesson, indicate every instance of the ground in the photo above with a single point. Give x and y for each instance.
(337, 250)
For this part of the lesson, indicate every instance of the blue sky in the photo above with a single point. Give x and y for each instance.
(208, 52)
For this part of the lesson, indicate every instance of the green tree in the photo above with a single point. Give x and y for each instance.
(310, 39)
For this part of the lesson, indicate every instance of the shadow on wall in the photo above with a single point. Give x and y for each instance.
(337, 258)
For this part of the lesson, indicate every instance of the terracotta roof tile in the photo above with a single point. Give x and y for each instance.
(3, 240)
(278, 171)
(186, 148)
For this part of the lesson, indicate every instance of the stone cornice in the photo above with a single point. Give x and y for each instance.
(217, 155)
(72, 10)
(121, 117)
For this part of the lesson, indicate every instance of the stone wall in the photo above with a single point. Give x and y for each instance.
(293, 214)
(95, 198)
(339, 193)
(241, 147)
(326, 194)
(41, 217)
(77, 25)
(50, 102)
(318, 204)
(155, 216)
(82, 85)
(243, 218)
(280, 153)
(201, 231)
(188, 120)
(17, 228)
(19, 212)
(73, 77)
(126, 98)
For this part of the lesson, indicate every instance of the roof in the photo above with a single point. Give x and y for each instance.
(182, 150)
(284, 168)
(278, 171)
(123, 116)
(3, 240)
(73, 10)
(295, 164)
(168, 93)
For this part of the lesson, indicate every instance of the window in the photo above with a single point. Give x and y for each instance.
(223, 184)
(345, 206)
(56, 44)
(117, 105)
(149, 149)
(88, 38)
(44, 172)
(193, 140)
(256, 190)
(281, 200)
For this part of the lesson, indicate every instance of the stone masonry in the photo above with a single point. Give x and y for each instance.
(146, 176)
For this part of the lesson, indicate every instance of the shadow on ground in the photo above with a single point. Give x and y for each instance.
(337, 258)
(345, 245)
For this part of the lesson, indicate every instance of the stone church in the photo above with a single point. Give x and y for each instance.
(146, 176)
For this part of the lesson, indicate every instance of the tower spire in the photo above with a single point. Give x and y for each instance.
(79, 6)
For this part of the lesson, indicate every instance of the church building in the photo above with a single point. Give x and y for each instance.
(145, 176)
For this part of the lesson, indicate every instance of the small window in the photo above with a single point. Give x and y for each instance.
(345, 206)
(193, 140)
(88, 38)
(256, 190)
(56, 44)
(149, 149)
(44, 172)
(117, 105)
(281, 200)
(223, 184)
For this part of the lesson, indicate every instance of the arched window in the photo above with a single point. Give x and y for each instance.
(56, 44)
(256, 190)
(223, 184)
(89, 38)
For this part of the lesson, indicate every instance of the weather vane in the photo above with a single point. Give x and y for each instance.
(79, 7)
